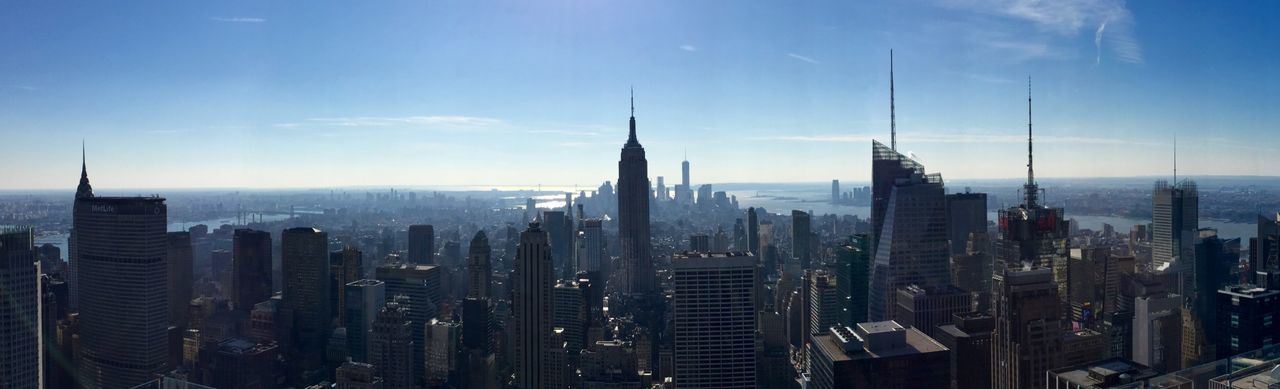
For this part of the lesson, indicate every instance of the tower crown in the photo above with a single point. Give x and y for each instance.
(84, 190)
(631, 138)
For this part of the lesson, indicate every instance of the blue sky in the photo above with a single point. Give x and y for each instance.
(320, 94)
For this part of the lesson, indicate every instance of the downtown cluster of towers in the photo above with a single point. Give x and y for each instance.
(924, 294)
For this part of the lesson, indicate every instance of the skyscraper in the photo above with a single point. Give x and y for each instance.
(532, 305)
(753, 232)
(417, 289)
(969, 339)
(714, 348)
(590, 246)
(441, 349)
(178, 258)
(479, 267)
(684, 174)
(477, 325)
(1032, 234)
(912, 245)
(357, 375)
(700, 243)
(20, 316)
(972, 269)
(345, 266)
(887, 167)
(1248, 318)
(570, 312)
(560, 230)
(304, 260)
(824, 311)
(835, 191)
(877, 355)
(365, 298)
(391, 346)
(853, 267)
(966, 214)
(1157, 331)
(1213, 271)
(1264, 253)
(422, 244)
(1027, 339)
(251, 268)
(926, 308)
(801, 237)
(633, 215)
(1175, 222)
(120, 244)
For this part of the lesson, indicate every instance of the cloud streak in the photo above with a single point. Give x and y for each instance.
(689, 48)
(802, 58)
(237, 19)
(566, 132)
(957, 138)
(1057, 23)
(447, 122)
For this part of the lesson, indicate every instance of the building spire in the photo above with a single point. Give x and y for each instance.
(84, 190)
(893, 123)
(631, 139)
(1175, 158)
(1030, 189)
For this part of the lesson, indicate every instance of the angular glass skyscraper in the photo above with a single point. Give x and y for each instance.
(120, 272)
(912, 246)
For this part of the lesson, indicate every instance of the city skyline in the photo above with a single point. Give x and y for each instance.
(243, 93)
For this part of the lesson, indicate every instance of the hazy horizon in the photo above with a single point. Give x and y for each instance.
(1144, 180)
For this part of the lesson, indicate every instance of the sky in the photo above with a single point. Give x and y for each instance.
(273, 94)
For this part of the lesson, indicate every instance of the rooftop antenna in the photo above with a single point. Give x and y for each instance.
(1175, 158)
(1030, 190)
(893, 124)
(631, 138)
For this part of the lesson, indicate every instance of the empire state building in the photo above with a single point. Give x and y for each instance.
(633, 214)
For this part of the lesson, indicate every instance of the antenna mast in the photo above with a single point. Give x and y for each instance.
(893, 123)
(1030, 190)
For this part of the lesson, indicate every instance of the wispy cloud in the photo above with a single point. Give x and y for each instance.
(1057, 23)
(443, 122)
(27, 88)
(958, 138)
(167, 131)
(802, 58)
(237, 19)
(566, 132)
(988, 79)
(575, 144)
(689, 48)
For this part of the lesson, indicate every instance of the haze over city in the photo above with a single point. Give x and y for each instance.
(245, 94)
